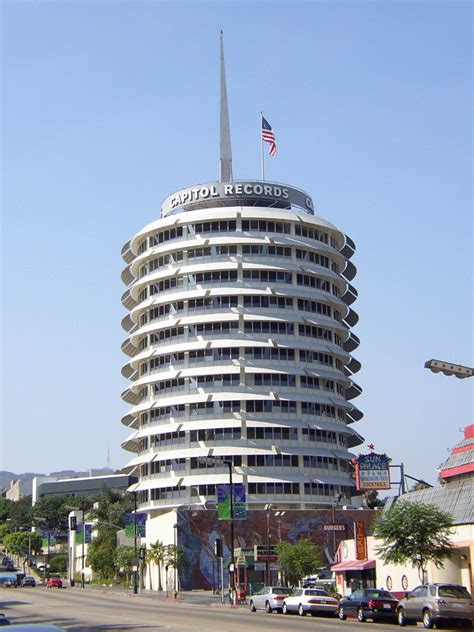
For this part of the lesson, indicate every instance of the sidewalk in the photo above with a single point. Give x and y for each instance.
(199, 597)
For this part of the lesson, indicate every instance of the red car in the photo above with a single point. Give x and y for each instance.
(54, 582)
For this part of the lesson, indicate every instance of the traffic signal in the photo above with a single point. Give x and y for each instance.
(218, 547)
(73, 523)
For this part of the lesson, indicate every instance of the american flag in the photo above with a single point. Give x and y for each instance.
(268, 136)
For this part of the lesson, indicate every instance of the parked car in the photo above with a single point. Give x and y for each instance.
(54, 582)
(312, 600)
(322, 579)
(270, 599)
(436, 603)
(28, 581)
(4, 620)
(369, 603)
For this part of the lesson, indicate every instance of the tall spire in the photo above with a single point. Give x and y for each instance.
(226, 149)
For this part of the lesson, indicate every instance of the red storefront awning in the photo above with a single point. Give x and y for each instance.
(353, 565)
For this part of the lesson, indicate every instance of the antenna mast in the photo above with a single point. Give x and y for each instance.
(225, 149)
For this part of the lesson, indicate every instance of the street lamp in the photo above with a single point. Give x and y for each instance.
(458, 370)
(211, 460)
(83, 556)
(337, 500)
(268, 510)
(135, 547)
(279, 516)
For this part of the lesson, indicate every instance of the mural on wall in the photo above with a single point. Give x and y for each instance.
(198, 530)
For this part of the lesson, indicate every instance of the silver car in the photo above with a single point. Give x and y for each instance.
(436, 604)
(270, 599)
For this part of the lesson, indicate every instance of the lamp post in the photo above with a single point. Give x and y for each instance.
(82, 509)
(210, 460)
(448, 368)
(279, 516)
(176, 576)
(268, 509)
(337, 500)
(135, 547)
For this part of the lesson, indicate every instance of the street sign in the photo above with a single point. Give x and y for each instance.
(334, 527)
(260, 566)
(262, 552)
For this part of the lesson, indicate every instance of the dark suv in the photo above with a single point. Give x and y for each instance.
(436, 603)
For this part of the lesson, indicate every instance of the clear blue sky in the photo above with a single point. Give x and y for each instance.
(107, 107)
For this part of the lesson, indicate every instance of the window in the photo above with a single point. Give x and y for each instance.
(273, 379)
(314, 306)
(310, 408)
(265, 301)
(269, 406)
(309, 280)
(272, 460)
(269, 353)
(266, 251)
(263, 226)
(166, 235)
(268, 327)
(311, 233)
(215, 434)
(165, 285)
(274, 488)
(268, 276)
(223, 226)
(313, 257)
(214, 355)
(213, 328)
(213, 302)
(214, 408)
(166, 334)
(196, 464)
(217, 276)
(276, 433)
(311, 331)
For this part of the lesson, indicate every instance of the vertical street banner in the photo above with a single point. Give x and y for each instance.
(141, 525)
(88, 533)
(80, 534)
(48, 538)
(360, 541)
(372, 471)
(130, 525)
(239, 502)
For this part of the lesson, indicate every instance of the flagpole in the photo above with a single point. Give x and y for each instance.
(262, 153)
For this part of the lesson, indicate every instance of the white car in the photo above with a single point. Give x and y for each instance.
(270, 599)
(312, 600)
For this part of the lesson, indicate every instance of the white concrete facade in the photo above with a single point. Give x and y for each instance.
(239, 342)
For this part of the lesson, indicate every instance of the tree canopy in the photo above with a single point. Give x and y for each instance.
(298, 560)
(416, 533)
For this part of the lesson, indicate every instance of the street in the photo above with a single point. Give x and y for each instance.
(90, 610)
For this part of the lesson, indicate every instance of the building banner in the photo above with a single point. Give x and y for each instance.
(372, 471)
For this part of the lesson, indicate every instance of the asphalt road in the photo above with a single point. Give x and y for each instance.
(92, 610)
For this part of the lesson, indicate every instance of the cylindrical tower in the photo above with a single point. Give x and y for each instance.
(239, 341)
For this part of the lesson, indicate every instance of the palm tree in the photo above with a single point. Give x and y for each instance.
(156, 554)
